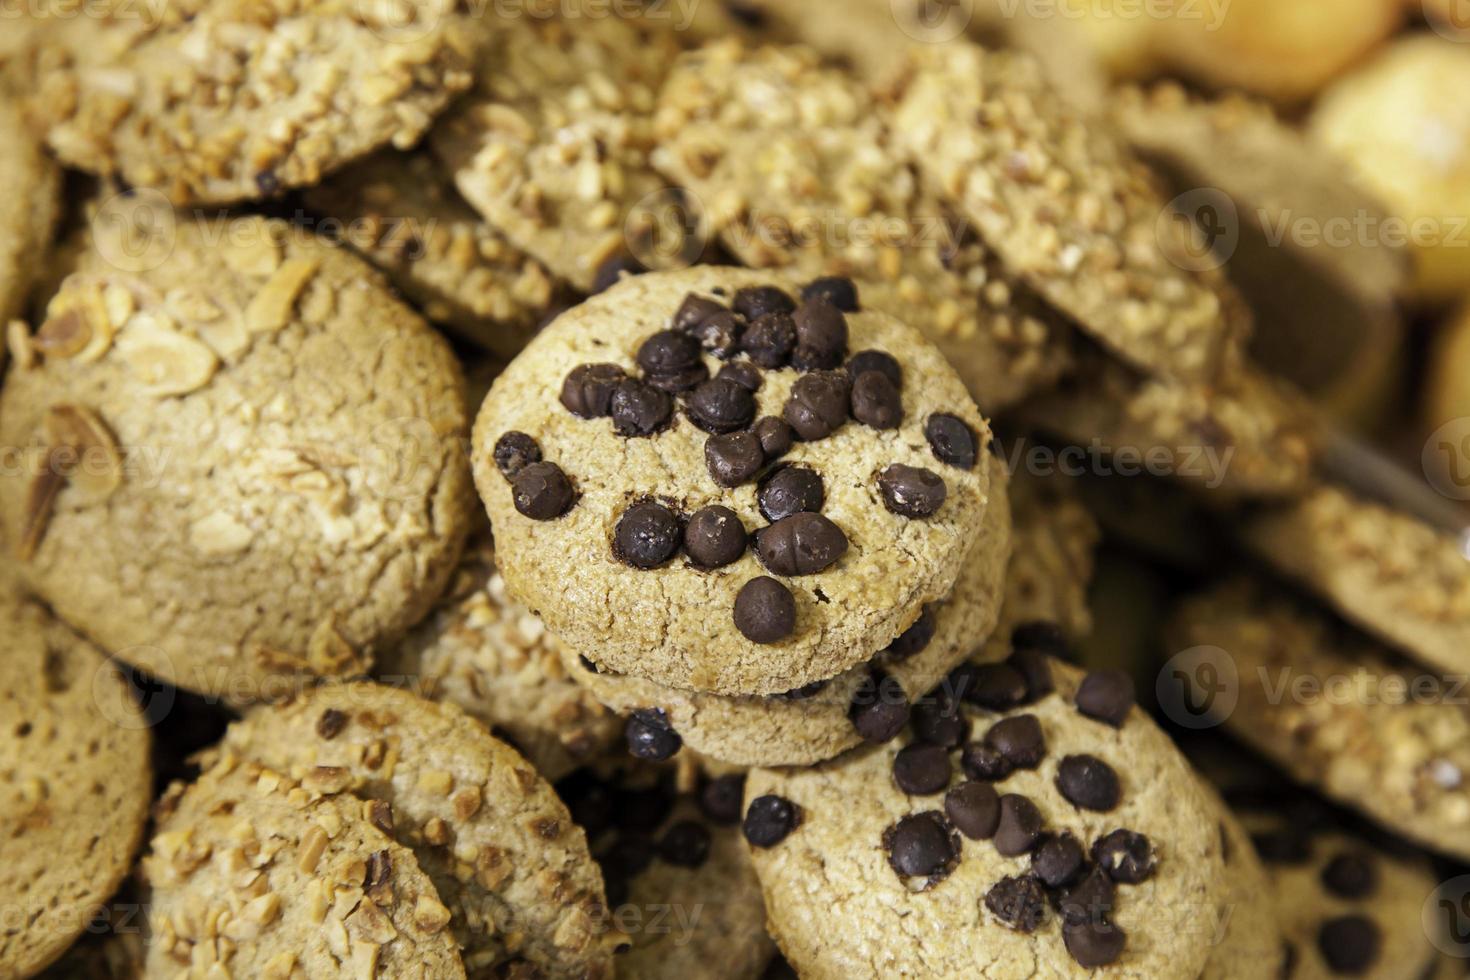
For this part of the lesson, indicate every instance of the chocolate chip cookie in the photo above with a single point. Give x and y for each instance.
(1050, 829)
(699, 480)
(240, 460)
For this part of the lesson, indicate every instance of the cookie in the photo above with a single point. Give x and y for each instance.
(680, 881)
(1248, 942)
(515, 875)
(808, 725)
(401, 213)
(74, 763)
(218, 101)
(485, 653)
(903, 860)
(793, 166)
(1333, 710)
(241, 460)
(867, 524)
(1159, 519)
(1391, 574)
(29, 212)
(253, 875)
(552, 145)
(1069, 211)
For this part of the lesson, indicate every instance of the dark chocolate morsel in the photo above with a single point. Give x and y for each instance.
(754, 302)
(1058, 861)
(791, 490)
(1351, 876)
(587, 391)
(647, 535)
(821, 337)
(1106, 696)
(1020, 827)
(922, 845)
(765, 611)
(770, 820)
(733, 458)
(1127, 857)
(818, 404)
(638, 409)
(920, 769)
(952, 441)
(1019, 902)
(542, 492)
(650, 737)
(513, 452)
(974, 808)
(685, 845)
(911, 491)
(876, 360)
(1094, 943)
(841, 292)
(1088, 782)
(1019, 739)
(879, 709)
(715, 537)
(802, 544)
(776, 436)
(769, 340)
(917, 637)
(743, 373)
(1350, 944)
(721, 798)
(695, 310)
(721, 405)
(875, 402)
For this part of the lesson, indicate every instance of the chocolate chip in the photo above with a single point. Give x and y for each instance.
(1127, 857)
(952, 441)
(695, 310)
(769, 820)
(921, 769)
(721, 405)
(1094, 943)
(1058, 861)
(647, 535)
(1089, 900)
(685, 845)
(754, 302)
(1019, 902)
(1088, 782)
(721, 334)
(638, 409)
(879, 708)
(1035, 669)
(776, 436)
(770, 340)
(789, 491)
(668, 352)
(840, 292)
(974, 808)
(922, 845)
(614, 271)
(589, 799)
(743, 373)
(765, 611)
(330, 724)
(1350, 944)
(876, 360)
(733, 458)
(644, 808)
(1289, 846)
(1106, 696)
(720, 799)
(513, 452)
(714, 537)
(980, 761)
(802, 544)
(875, 402)
(587, 392)
(996, 687)
(1351, 876)
(916, 638)
(938, 721)
(1041, 636)
(817, 406)
(911, 491)
(650, 737)
(1019, 739)
(627, 857)
(587, 664)
(821, 337)
(1020, 826)
(542, 492)
(685, 380)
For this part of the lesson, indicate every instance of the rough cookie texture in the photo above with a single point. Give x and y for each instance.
(254, 875)
(673, 624)
(794, 168)
(486, 653)
(1392, 575)
(489, 832)
(1335, 712)
(552, 146)
(1066, 207)
(242, 461)
(28, 211)
(216, 101)
(782, 730)
(400, 212)
(1247, 944)
(74, 764)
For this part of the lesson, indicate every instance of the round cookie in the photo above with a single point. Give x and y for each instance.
(28, 211)
(485, 653)
(219, 101)
(804, 727)
(240, 460)
(680, 882)
(74, 761)
(253, 875)
(889, 861)
(499, 846)
(1247, 944)
(830, 588)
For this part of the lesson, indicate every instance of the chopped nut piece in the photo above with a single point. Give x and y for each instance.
(466, 802)
(430, 915)
(369, 923)
(312, 848)
(271, 308)
(436, 831)
(97, 468)
(436, 782)
(166, 361)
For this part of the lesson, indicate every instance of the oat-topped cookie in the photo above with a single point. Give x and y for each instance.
(793, 165)
(403, 214)
(77, 784)
(215, 101)
(254, 875)
(1066, 207)
(827, 717)
(243, 458)
(28, 211)
(705, 479)
(1040, 826)
(491, 834)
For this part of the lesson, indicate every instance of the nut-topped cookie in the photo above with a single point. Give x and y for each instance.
(1053, 831)
(243, 458)
(253, 875)
(710, 480)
